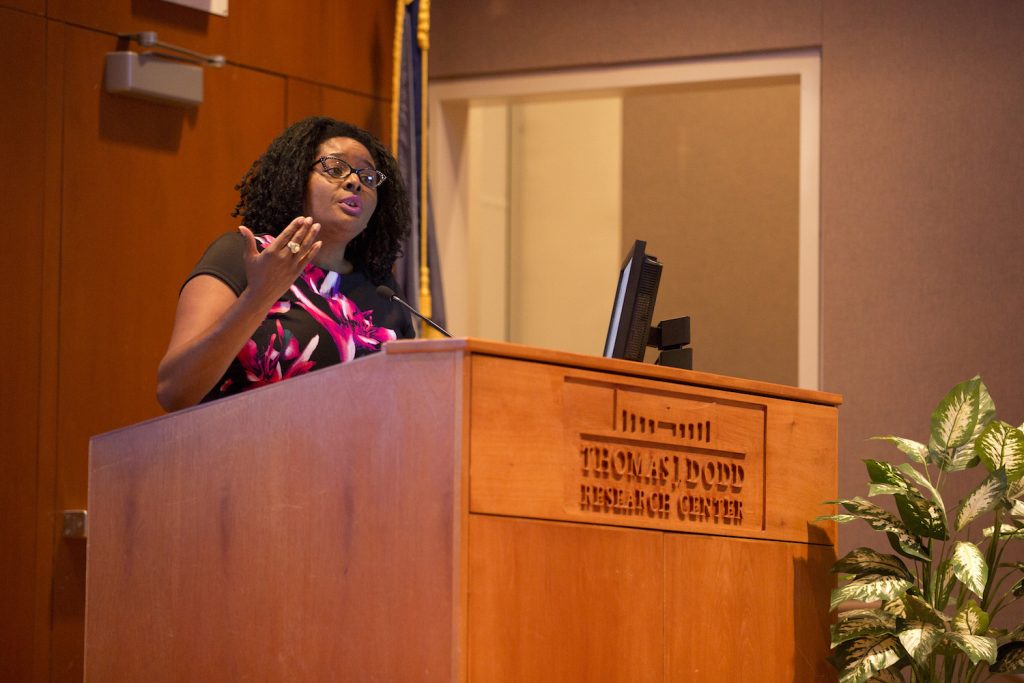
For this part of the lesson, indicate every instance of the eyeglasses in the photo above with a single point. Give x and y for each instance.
(339, 170)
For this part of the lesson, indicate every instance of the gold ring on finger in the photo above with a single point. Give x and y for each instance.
(294, 247)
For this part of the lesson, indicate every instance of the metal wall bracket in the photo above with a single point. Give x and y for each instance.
(149, 39)
(173, 79)
(152, 77)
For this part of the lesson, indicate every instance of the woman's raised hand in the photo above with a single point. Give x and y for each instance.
(272, 271)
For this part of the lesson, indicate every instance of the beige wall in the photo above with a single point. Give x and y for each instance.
(538, 186)
(565, 216)
(921, 173)
(557, 187)
(486, 245)
(712, 184)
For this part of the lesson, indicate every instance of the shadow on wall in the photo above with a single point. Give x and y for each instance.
(810, 578)
(140, 123)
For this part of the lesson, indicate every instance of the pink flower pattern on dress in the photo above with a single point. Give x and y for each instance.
(280, 360)
(350, 328)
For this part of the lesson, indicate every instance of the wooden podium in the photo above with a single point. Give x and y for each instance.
(463, 510)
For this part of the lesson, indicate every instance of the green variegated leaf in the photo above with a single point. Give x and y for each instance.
(982, 499)
(1017, 508)
(918, 638)
(897, 607)
(881, 472)
(861, 622)
(921, 517)
(901, 539)
(986, 409)
(917, 452)
(859, 659)
(971, 620)
(1007, 532)
(1010, 659)
(958, 459)
(870, 587)
(861, 561)
(842, 519)
(970, 567)
(1014, 489)
(955, 418)
(978, 648)
(914, 608)
(946, 582)
(907, 544)
(1002, 445)
(884, 489)
(911, 473)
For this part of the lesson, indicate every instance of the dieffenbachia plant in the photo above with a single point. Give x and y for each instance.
(931, 606)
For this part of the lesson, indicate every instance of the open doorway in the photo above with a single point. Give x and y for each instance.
(542, 181)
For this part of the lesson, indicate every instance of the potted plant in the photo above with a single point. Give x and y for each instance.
(932, 604)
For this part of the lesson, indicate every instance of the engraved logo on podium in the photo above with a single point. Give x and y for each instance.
(665, 460)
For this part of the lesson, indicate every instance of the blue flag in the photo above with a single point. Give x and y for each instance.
(418, 270)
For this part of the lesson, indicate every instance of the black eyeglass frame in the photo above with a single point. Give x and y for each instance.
(377, 177)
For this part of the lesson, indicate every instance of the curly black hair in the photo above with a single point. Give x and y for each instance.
(272, 192)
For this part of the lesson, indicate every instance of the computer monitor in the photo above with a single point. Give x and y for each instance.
(637, 291)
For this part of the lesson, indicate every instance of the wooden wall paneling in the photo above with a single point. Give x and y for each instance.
(34, 6)
(342, 44)
(312, 99)
(746, 611)
(22, 271)
(145, 187)
(533, 584)
(49, 527)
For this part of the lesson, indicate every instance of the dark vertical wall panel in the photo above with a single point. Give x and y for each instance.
(49, 529)
(22, 141)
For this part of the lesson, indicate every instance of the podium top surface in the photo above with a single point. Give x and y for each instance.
(471, 345)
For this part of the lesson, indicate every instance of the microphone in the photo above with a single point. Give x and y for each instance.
(389, 294)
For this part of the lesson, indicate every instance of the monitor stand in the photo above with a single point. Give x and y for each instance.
(672, 338)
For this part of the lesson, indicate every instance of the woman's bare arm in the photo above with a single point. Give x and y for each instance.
(211, 324)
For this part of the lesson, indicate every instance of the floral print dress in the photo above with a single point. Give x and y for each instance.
(323, 319)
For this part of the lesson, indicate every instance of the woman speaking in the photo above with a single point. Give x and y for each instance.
(324, 213)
